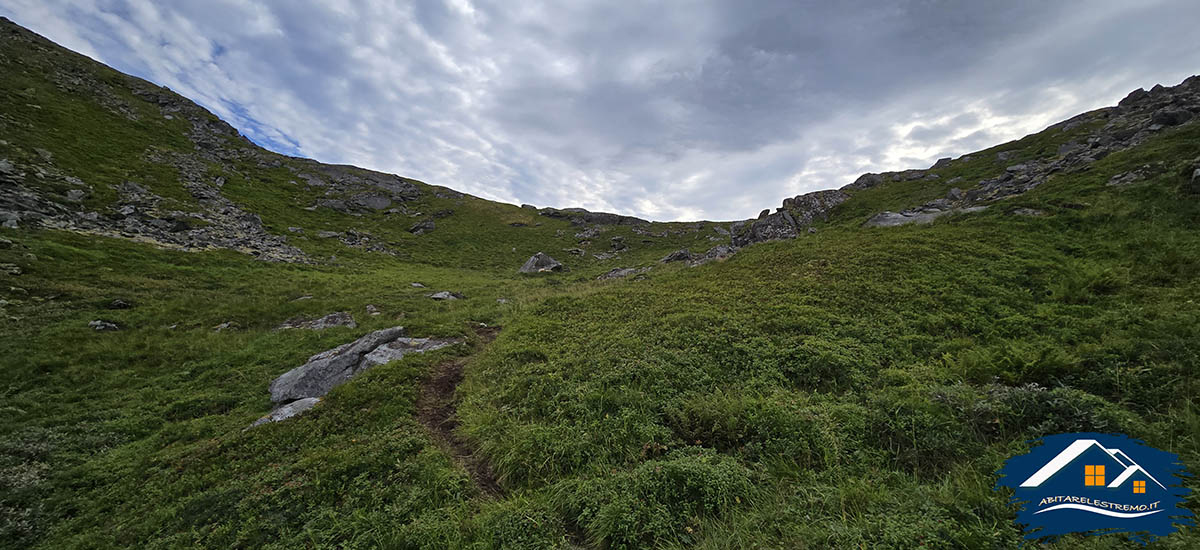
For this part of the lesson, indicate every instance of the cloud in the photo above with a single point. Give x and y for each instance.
(666, 111)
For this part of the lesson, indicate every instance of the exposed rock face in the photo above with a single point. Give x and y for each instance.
(865, 181)
(337, 319)
(718, 252)
(622, 272)
(37, 192)
(797, 212)
(540, 263)
(299, 389)
(579, 216)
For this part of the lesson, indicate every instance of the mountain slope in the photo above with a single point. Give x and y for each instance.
(855, 386)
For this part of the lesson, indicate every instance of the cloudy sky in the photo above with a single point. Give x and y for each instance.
(665, 110)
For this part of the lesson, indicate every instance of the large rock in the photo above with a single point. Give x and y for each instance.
(1170, 117)
(301, 388)
(809, 207)
(328, 369)
(683, 255)
(718, 252)
(865, 181)
(773, 227)
(541, 262)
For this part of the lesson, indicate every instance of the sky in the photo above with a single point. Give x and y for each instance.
(679, 110)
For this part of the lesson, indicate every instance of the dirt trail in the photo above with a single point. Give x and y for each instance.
(436, 409)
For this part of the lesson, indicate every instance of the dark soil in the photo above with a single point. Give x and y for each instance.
(436, 407)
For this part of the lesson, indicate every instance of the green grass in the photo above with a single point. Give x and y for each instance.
(853, 388)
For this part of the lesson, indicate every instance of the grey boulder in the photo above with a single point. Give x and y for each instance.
(328, 369)
(540, 263)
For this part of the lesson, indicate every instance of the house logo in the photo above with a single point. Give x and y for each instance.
(1096, 484)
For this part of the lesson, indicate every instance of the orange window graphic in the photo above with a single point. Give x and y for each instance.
(1093, 476)
(1139, 486)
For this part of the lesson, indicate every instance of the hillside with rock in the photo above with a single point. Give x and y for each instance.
(211, 345)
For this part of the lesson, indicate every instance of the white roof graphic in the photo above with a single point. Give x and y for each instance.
(1078, 447)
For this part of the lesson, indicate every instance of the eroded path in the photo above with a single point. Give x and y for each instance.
(436, 409)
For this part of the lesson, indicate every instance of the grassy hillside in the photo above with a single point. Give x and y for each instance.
(852, 388)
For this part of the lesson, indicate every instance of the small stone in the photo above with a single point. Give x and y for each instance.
(683, 255)
(287, 411)
(446, 295)
(327, 234)
(501, 300)
(296, 229)
(336, 319)
(417, 285)
(372, 310)
(6, 244)
(227, 325)
(119, 304)
(622, 272)
(100, 325)
(422, 227)
(11, 269)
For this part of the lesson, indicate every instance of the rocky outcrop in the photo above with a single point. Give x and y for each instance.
(579, 216)
(541, 263)
(298, 389)
(796, 213)
(1138, 117)
(36, 192)
(719, 252)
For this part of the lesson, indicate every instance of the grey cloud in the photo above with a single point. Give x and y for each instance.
(708, 110)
